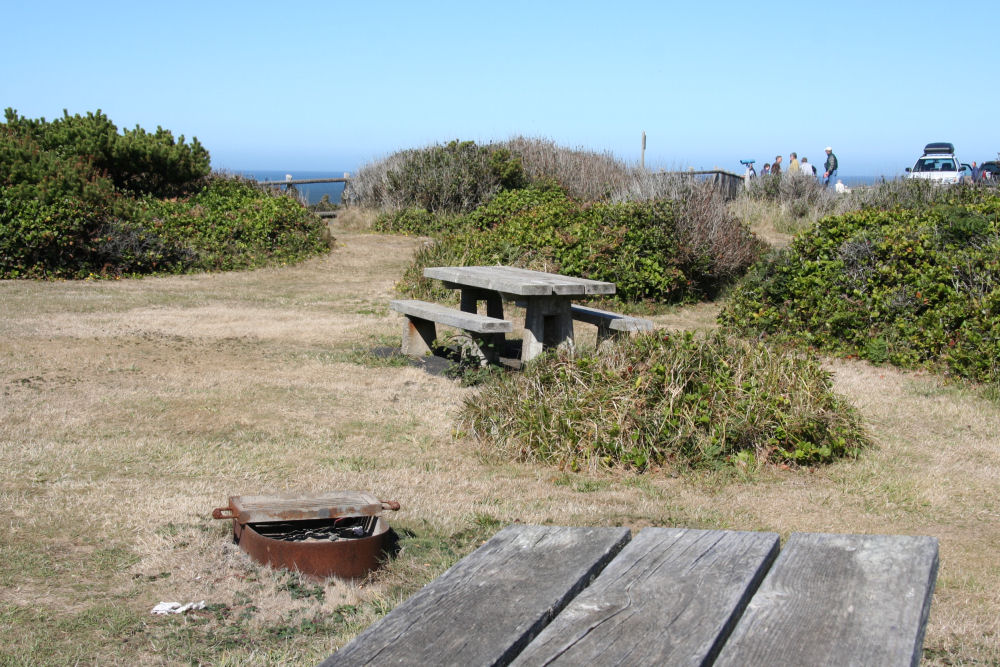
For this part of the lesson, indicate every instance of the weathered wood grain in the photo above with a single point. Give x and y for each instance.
(839, 600)
(487, 607)
(518, 282)
(609, 323)
(436, 312)
(297, 506)
(614, 321)
(671, 597)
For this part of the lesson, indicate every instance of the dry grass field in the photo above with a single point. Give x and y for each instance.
(130, 409)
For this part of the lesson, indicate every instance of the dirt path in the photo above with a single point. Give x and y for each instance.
(128, 410)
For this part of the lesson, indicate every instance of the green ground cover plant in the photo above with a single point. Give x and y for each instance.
(915, 287)
(663, 399)
(79, 199)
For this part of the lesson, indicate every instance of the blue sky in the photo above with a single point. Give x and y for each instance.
(332, 85)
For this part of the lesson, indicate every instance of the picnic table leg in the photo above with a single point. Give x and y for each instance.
(547, 323)
(471, 296)
(492, 345)
(418, 336)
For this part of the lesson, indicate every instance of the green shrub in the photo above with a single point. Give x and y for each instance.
(640, 247)
(661, 399)
(30, 173)
(135, 160)
(233, 224)
(78, 199)
(228, 224)
(414, 220)
(46, 239)
(916, 287)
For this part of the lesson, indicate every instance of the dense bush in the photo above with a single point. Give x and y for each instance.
(228, 224)
(642, 247)
(416, 220)
(460, 176)
(78, 199)
(913, 287)
(455, 177)
(231, 224)
(662, 399)
(134, 161)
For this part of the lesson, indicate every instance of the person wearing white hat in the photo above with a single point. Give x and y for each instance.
(830, 167)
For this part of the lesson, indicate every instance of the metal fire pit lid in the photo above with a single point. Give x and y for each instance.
(301, 506)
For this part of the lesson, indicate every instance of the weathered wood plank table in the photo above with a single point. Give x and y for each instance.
(540, 595)
(547, 299)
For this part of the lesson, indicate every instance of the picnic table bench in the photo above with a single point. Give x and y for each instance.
(546, 297)
(540, 595)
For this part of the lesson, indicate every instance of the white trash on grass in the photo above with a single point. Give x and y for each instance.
(176, 607)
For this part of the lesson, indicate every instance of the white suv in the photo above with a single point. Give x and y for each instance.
(938, 164)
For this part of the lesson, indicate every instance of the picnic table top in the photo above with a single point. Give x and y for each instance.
(519, 282)
(536, 595)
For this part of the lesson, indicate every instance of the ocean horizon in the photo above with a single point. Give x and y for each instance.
(313, 192)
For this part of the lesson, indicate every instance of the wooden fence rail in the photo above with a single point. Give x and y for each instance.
(727, 182)
(304, 181)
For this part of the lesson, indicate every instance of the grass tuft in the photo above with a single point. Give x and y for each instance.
(667, 400)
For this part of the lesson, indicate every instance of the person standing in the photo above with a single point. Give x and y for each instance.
(830, 167)
(793, 164)
(776, 166)
(807, 168)
(766, 170)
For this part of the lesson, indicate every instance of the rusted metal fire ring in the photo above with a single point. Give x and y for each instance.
(352, 534)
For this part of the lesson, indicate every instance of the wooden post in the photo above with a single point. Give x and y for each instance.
(642, 156)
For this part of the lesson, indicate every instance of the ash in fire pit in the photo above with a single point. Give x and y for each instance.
(333, 534)
(347, 528)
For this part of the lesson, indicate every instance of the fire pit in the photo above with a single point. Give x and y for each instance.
(339, 533)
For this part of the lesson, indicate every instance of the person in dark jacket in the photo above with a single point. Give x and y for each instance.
(776, 166)
(830, 167)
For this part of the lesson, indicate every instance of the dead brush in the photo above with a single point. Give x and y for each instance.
(585, 175)
(706, 224)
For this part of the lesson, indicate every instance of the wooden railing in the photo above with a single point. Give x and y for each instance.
(304, 181)
(726, 182)
(289, 181)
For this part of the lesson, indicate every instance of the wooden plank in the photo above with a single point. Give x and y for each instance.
(303, 181)
(487, 277)
(670, 597)
(518, 282)
(296, 506)
(489, 605)
(614, 321)
(839, 600)
(562, 285)
(455, 318)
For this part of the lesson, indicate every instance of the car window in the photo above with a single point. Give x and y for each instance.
(935, 164)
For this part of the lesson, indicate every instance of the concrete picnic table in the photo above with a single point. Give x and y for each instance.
(547, 299)
(540, 595)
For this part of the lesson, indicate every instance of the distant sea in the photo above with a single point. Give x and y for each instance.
(313, 191)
